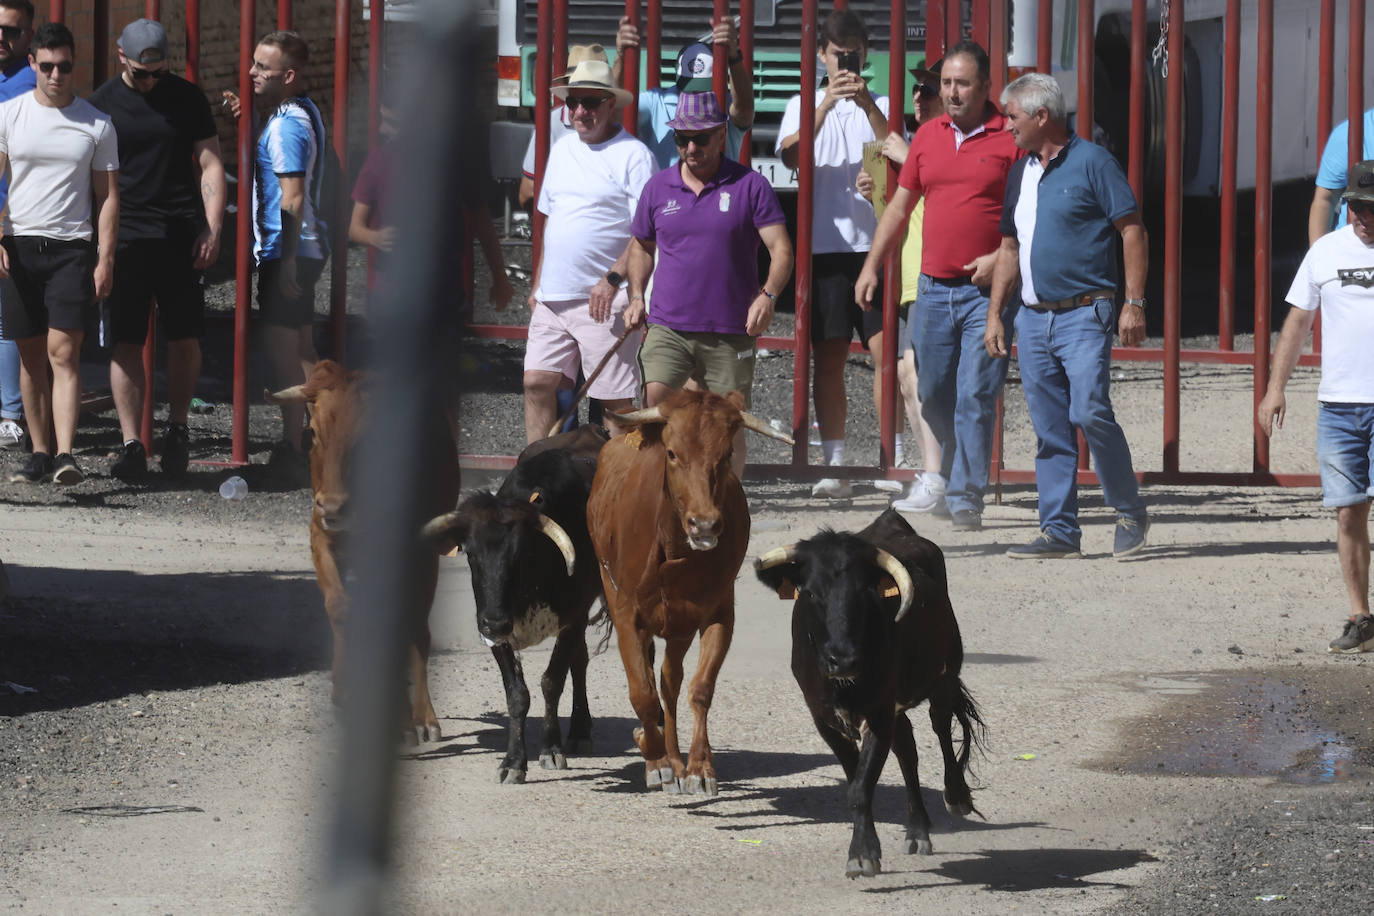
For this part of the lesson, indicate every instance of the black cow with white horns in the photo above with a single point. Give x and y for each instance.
(534, 575)
(874, 634)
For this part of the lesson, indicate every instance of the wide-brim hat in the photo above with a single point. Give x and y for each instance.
(697, 111)
(593, 74)
(931, 75)
(577, 54)
(1361, 183)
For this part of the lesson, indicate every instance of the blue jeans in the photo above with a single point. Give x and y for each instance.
(1066, 361)
(958, 384)
(1345, 451)
(11, 403)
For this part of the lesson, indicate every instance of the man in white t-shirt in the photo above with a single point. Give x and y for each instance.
(559, 126)
(63, 162)
(591, 188)
(1337, 278)
(847, 117)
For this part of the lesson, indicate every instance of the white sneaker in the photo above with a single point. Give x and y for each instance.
(832, 488)
(926, 494)
(11, 435)
(890, 486)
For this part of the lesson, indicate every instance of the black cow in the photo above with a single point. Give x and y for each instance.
(874, 634)
(534, 575)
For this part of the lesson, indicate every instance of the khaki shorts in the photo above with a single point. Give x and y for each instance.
(721, 362)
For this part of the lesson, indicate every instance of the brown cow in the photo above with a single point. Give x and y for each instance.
(670, 526)
(334, 397)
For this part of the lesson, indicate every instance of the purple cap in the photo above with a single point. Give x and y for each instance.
(697, 111)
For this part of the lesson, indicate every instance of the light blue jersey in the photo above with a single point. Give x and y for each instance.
(1335, 167)
(659, 106)
(289, 145)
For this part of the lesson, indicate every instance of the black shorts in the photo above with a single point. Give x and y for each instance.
(278, 309)
(834, 313)
(161, 269)
(55, 281)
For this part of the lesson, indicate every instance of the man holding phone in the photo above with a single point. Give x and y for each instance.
(847, 117)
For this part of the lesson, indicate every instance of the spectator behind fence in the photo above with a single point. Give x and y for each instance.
(959, 163)
(705, 218)
(16, 78)
(64, 189)
(695, 73)
(1328, 208)
(1065, 203)
(171, 211)
(847, 117)
(591, 188)
(927, 490)
(559, 125)
(1337, 278)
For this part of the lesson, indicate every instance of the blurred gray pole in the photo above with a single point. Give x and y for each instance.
(394, 464)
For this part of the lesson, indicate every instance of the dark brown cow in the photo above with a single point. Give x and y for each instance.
(334, 397)
(670, 526)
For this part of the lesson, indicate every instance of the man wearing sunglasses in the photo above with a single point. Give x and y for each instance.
(63, 162)
(16, 78)
(171, 191)
(592, 182)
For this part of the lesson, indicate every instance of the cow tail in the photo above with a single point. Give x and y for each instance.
(971, 721)
(601, 620)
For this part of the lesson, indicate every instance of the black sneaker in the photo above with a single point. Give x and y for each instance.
(35, 470)
(967, 520)
(176, 449)
(1358, 636)
(131, 462)
(65, 471)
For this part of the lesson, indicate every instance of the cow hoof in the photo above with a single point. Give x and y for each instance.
(671, 784)
(696, 785)
(865, 867)
(661, 776)
(430, 732)
(963, 809)
(509, 776)
(919, 847)
(553, 760)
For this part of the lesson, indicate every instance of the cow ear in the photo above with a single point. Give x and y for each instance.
(787, 591)
(782, 578)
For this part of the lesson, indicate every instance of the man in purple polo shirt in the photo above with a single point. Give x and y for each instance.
(705, 217)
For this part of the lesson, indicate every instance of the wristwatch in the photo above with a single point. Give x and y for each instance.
(1138, 303)
(614, 279)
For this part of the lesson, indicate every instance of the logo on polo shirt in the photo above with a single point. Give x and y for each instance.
(671, 207)
(1356, 276)
(724, 201)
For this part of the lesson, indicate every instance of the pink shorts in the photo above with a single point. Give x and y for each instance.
(563, 338)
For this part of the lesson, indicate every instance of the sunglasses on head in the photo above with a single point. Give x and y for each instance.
(64, 66)
(589, 102)
(147, 74)
(11, 32)
(927, 91)
(682, 138)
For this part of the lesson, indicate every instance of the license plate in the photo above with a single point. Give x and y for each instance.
(778, 175)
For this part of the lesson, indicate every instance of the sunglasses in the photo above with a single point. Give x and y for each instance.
(682, 139)
(1360, 206)
(927, 91)
(589, 102)
(147, 74)
(64, 66)
(11, 32)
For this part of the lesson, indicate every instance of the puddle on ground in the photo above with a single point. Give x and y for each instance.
(1305, 725)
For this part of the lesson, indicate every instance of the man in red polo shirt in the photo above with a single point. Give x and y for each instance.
(959, 163)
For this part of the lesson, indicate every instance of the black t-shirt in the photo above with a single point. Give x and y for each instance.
(157, 133)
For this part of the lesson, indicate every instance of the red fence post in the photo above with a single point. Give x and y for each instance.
(746, 47)
(1044, 37)
(653, 44)
(1230, 121)
(243, 266)
(1355, 92)
(193, 41)
(1135, 143)
(560, 37)
(629, 74)
(1083, 120)
(283, 14)
(1264, 198)
(338, 263)
(1326, 81)
(1173, 232)
(997, 46)
(801, 371)
(935, 30)
(543, 75)
(720, 64)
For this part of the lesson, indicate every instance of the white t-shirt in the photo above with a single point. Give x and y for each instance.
(1337, 275)
(52, 152)
(590, 193)
(843, 220)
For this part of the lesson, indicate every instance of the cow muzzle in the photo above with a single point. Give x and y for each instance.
(703, 533)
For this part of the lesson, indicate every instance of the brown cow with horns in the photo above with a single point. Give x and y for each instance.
(670, 526)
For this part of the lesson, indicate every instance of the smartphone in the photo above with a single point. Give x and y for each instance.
(849, 60)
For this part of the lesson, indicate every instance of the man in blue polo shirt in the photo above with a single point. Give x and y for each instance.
(1062, 205)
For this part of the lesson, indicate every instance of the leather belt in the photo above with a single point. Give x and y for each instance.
(951, 281)
(1074, 302)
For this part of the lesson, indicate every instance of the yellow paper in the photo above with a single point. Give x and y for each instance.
(875, 164)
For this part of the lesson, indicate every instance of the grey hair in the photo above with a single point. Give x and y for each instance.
(1035, 91)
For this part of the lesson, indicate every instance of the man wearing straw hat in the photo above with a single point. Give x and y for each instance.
(1337, 278)
(705, 218)
(591, 188)
(559, 124)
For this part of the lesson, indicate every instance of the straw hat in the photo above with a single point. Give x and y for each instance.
(577, 54)
(593, 74)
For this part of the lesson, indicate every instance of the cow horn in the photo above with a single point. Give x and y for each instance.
(643, 415)
(758, 426)
(287, 395)
(894, 568)
(559, 537)
(776, 557)
(435, 527)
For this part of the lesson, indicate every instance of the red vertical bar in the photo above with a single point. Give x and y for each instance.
(1326, 81)
(978, 26)
(1136, 134)
(243, 267)
(193, 41)
(720, 65)
(1230, 127)
(1264, 194)
(560, 37)
(841, 4)
(1083, 120)
(629, 75)
(1355, 93)
(997, 46)
(1044, 37)
(746, 47)
(152, 9)
(283, 14)
(1173, 233)
(653, 44)
(543, 74)
(954, 23)
(338, 220)
(888, 417)
(806, 207)
(57, 11)
(376, 25)
(935, 30)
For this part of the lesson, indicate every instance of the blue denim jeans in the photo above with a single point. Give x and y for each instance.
(1345, 451)
(1066, 361)
(958, 384)
(11, 403)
